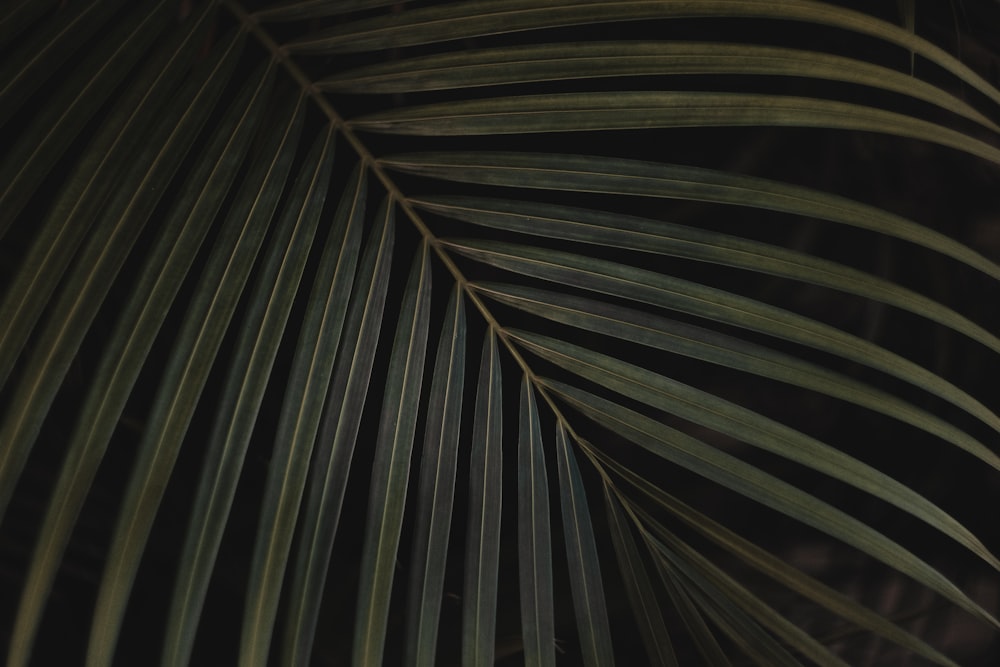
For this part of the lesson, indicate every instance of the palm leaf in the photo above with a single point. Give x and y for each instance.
(648, 615)
(437, 487)
(585, 173)
(766, 489)
(243, 395)
(482, 552)
(209, 332)
(534, 547)
(392, 464)
(336, 439)
(667, 292)
(769, 564)
(584, 565)
(491, 67)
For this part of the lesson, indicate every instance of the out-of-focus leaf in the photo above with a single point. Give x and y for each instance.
(26, 163)
(110, 161)
(304, 9)
(726, 591)
(27, 68)
(121, 221)
(130, 343)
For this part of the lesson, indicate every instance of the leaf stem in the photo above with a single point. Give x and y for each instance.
(252, 26)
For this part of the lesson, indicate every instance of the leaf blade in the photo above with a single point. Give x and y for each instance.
(327, 470)
(606, 229)
(730, 352)
(667, 292)
(645, 607)
(248, 379)
(633, 110)
(762, 487)
(584, 566)
(179, 392)
(391, 469)
(482, 551)
(437, 487)
(533, 530)
(127, 350)
(560, 62)
(752, 428)
(490, 17)
(588, 173)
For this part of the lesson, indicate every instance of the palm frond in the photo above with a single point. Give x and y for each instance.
(212, 358)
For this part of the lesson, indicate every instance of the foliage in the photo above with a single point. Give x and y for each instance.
(726, 265)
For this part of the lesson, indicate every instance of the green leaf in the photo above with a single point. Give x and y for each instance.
(131, 328)
(634, 110)
(482, 548)
(107, 248)
(663, 291)
(184, 379)
(734, 474)
(437, 487)
(27, 68)
(585, 173)
(129, 345)
(584, 565)
(40, 146)
(645, 607)
(328, 471)
(716, 348)
(463, 20)
(533, 541)
(261, 331)
(654, 236)
(391, 469)
(560, 62)
(766, 563)
(723, 416)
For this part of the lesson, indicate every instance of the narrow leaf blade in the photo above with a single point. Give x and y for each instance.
(645, 607)
(437, 487)
(482, 551)
(391, 469)
(584, 566)
(328, 472)
(533, 537)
